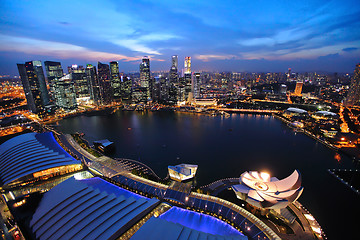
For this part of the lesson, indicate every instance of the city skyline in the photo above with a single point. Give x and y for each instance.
(218, 35)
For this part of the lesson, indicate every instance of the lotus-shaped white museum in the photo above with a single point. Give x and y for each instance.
(263, 191)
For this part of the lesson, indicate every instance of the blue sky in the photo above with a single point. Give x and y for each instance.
(238, 35)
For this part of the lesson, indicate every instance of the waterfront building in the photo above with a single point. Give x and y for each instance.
(33, 81)
(188, 87)
(263, 191)
(195, 85)
(54, 71)
(353, 97)
(182, 172)
(298, 88)
(31, 158)
(173, 94)
(115, 81)
(139, 94)
(126, 87)
(94, 85)
(145, 81)
(104, 83)
(163, 89)
(65, 95)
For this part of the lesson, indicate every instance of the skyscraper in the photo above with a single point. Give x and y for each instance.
(115, 81)
(33, 81)
(145, 75)
(78, 76)
(298, 88)
(94, 85)
(174, 61)
(187, 78)
(187, 65)
(195, 85)
(353, 97)
(105, 83)
(54, 72)
(65, 96)
(126, 86)
(173, 74)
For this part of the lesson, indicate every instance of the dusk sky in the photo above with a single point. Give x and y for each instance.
(219, 35)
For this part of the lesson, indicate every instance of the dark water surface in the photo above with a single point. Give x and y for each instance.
(226, 147)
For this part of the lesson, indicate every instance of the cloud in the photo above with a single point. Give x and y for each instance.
(209, 57)
(350, 49)
(57, 49)
(135, 45)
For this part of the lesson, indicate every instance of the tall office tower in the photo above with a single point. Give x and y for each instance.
(187, 87)
(94, 85)
(173, 74)
(145, 81)
(187, 65)
(298, 88)
(195, 85)
(283, 89)
(163, 89)
(115, 81)
(78, 76)
(54, 71)
(289, 74)
(173, 94)
(174, 61)
(126, 86)
(33, 81)
(105, 83)
(353, 97)
(65, 96)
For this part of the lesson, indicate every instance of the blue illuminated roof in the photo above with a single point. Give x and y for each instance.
(199, 221)
(181, 224)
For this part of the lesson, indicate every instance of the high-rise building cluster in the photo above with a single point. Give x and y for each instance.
(104, 85)
(353, 97)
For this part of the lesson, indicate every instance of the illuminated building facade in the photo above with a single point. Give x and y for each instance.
(33, 81)
(115, 81)
(298, 88)
(182, 172)
(187, 65)
(353, 97)
(145, 81)
(104, 83)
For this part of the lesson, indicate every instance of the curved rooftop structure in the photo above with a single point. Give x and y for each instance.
(33, 155)
(88, 209)
(263, 191)
(296, 110)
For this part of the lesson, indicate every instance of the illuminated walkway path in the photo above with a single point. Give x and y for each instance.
(227, 211)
